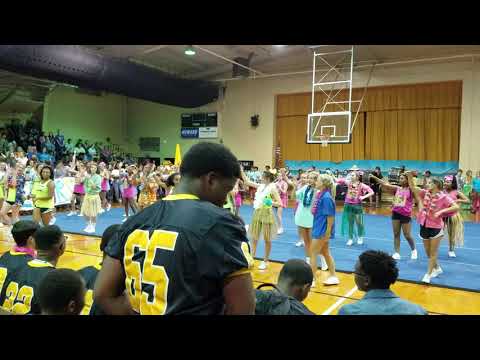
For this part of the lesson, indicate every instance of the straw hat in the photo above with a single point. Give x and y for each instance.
(354, 168)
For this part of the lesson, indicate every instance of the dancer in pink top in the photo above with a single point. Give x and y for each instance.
(353, 210)
(453, 220)
(282, 184)
(433, 204)
(401, 213)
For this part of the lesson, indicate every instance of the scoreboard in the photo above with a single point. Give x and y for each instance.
(199, 126)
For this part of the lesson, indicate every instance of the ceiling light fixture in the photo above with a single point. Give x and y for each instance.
(190, 51)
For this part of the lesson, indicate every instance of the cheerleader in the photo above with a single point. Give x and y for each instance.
(105, 187)
(433, 205)
(401, 213)
(263, 219)
(129, 190)
(476, 196)
(149, 185)
(303, 213)
(282, 184)
(3, 173)
(15, 193)
(78, 188)
(454, 221)
(237, 196)
(92, 204)
(302, 181)
(42, 196)
(353, 211)
(323, 212)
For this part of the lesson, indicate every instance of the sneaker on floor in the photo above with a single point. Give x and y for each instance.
(124, 220)
(396, 256)
(452, 254)
(414, 255)
(263, 265)
(79, 214)
(109, 206)
(360, 241)
(87, 228)
(71, 213)
(299, 243)
(332, 280)
(124, 215)
(101, 211)
(280, 231)
(350, 242)
(437, 271)
(426, 279)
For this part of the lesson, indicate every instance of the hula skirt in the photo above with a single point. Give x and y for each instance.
(455, 229)
(475, 201)
(353, 215)
(263, 222)
(147, 198)
(91, 205)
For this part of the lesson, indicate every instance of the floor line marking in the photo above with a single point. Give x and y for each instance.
(340, 301)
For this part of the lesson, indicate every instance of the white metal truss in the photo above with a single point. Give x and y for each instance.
(321, 82)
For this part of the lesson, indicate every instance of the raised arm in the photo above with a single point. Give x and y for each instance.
(246, 181)
(462, 198)
(384, 183)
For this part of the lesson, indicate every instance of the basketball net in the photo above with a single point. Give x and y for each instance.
(324, 140)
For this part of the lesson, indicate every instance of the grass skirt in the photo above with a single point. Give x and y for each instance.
(91, 205)
(263, 222)
(352, 221)
(455, 229)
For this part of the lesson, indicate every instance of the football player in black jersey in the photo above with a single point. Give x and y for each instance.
(23, 251)
(19, 289)
(61, 292)
(90, 274)
(184, 254)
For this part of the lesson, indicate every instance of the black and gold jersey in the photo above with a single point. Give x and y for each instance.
(10, 262)
(177, 254)
(20, 287)
(90, 274)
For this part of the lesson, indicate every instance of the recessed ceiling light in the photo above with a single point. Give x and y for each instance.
(279, 45)
(190, 51)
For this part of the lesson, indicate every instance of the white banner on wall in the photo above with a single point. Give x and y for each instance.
(208, 132)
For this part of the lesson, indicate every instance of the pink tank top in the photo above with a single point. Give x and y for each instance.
(403, 202)
(104, 184)
(454, 196)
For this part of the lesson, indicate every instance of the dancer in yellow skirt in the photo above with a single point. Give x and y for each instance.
(263, 219)
(92, 204)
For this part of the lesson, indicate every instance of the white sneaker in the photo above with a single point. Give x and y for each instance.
(332, 280)
(437, 271)
(124, 215)
(280, 231)
(101, 211)
(452, 254)
(396, 256)
(307, 260)
(91, 229)
(360, 241)
(299, 243)
(124, 220)
(79, 214)
(71, 213)
(263, 265)
(109, 206)
(88, 228)
(323, 263)
(414, 255)
(350, 242)
(426, 279)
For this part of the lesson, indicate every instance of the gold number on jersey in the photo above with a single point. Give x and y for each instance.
(3, 277)
(150, 274)
(24, 298)
(88, 303)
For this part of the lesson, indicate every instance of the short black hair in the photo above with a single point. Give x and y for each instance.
(269, 176)
(206, 157)
(296, 272)
(22, 230)
(58, 288)
(380, 267)
(49, 168)
(108, 235)
(47, 237)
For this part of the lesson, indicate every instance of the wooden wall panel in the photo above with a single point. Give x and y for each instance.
(405, 122)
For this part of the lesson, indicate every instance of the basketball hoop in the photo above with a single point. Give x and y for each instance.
(324, 140)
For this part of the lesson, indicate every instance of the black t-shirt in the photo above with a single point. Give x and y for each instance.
(20, 287)
(272, 302)
(90, 274)
(177, 254)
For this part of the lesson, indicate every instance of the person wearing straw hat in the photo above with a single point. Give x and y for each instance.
(353, 210)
